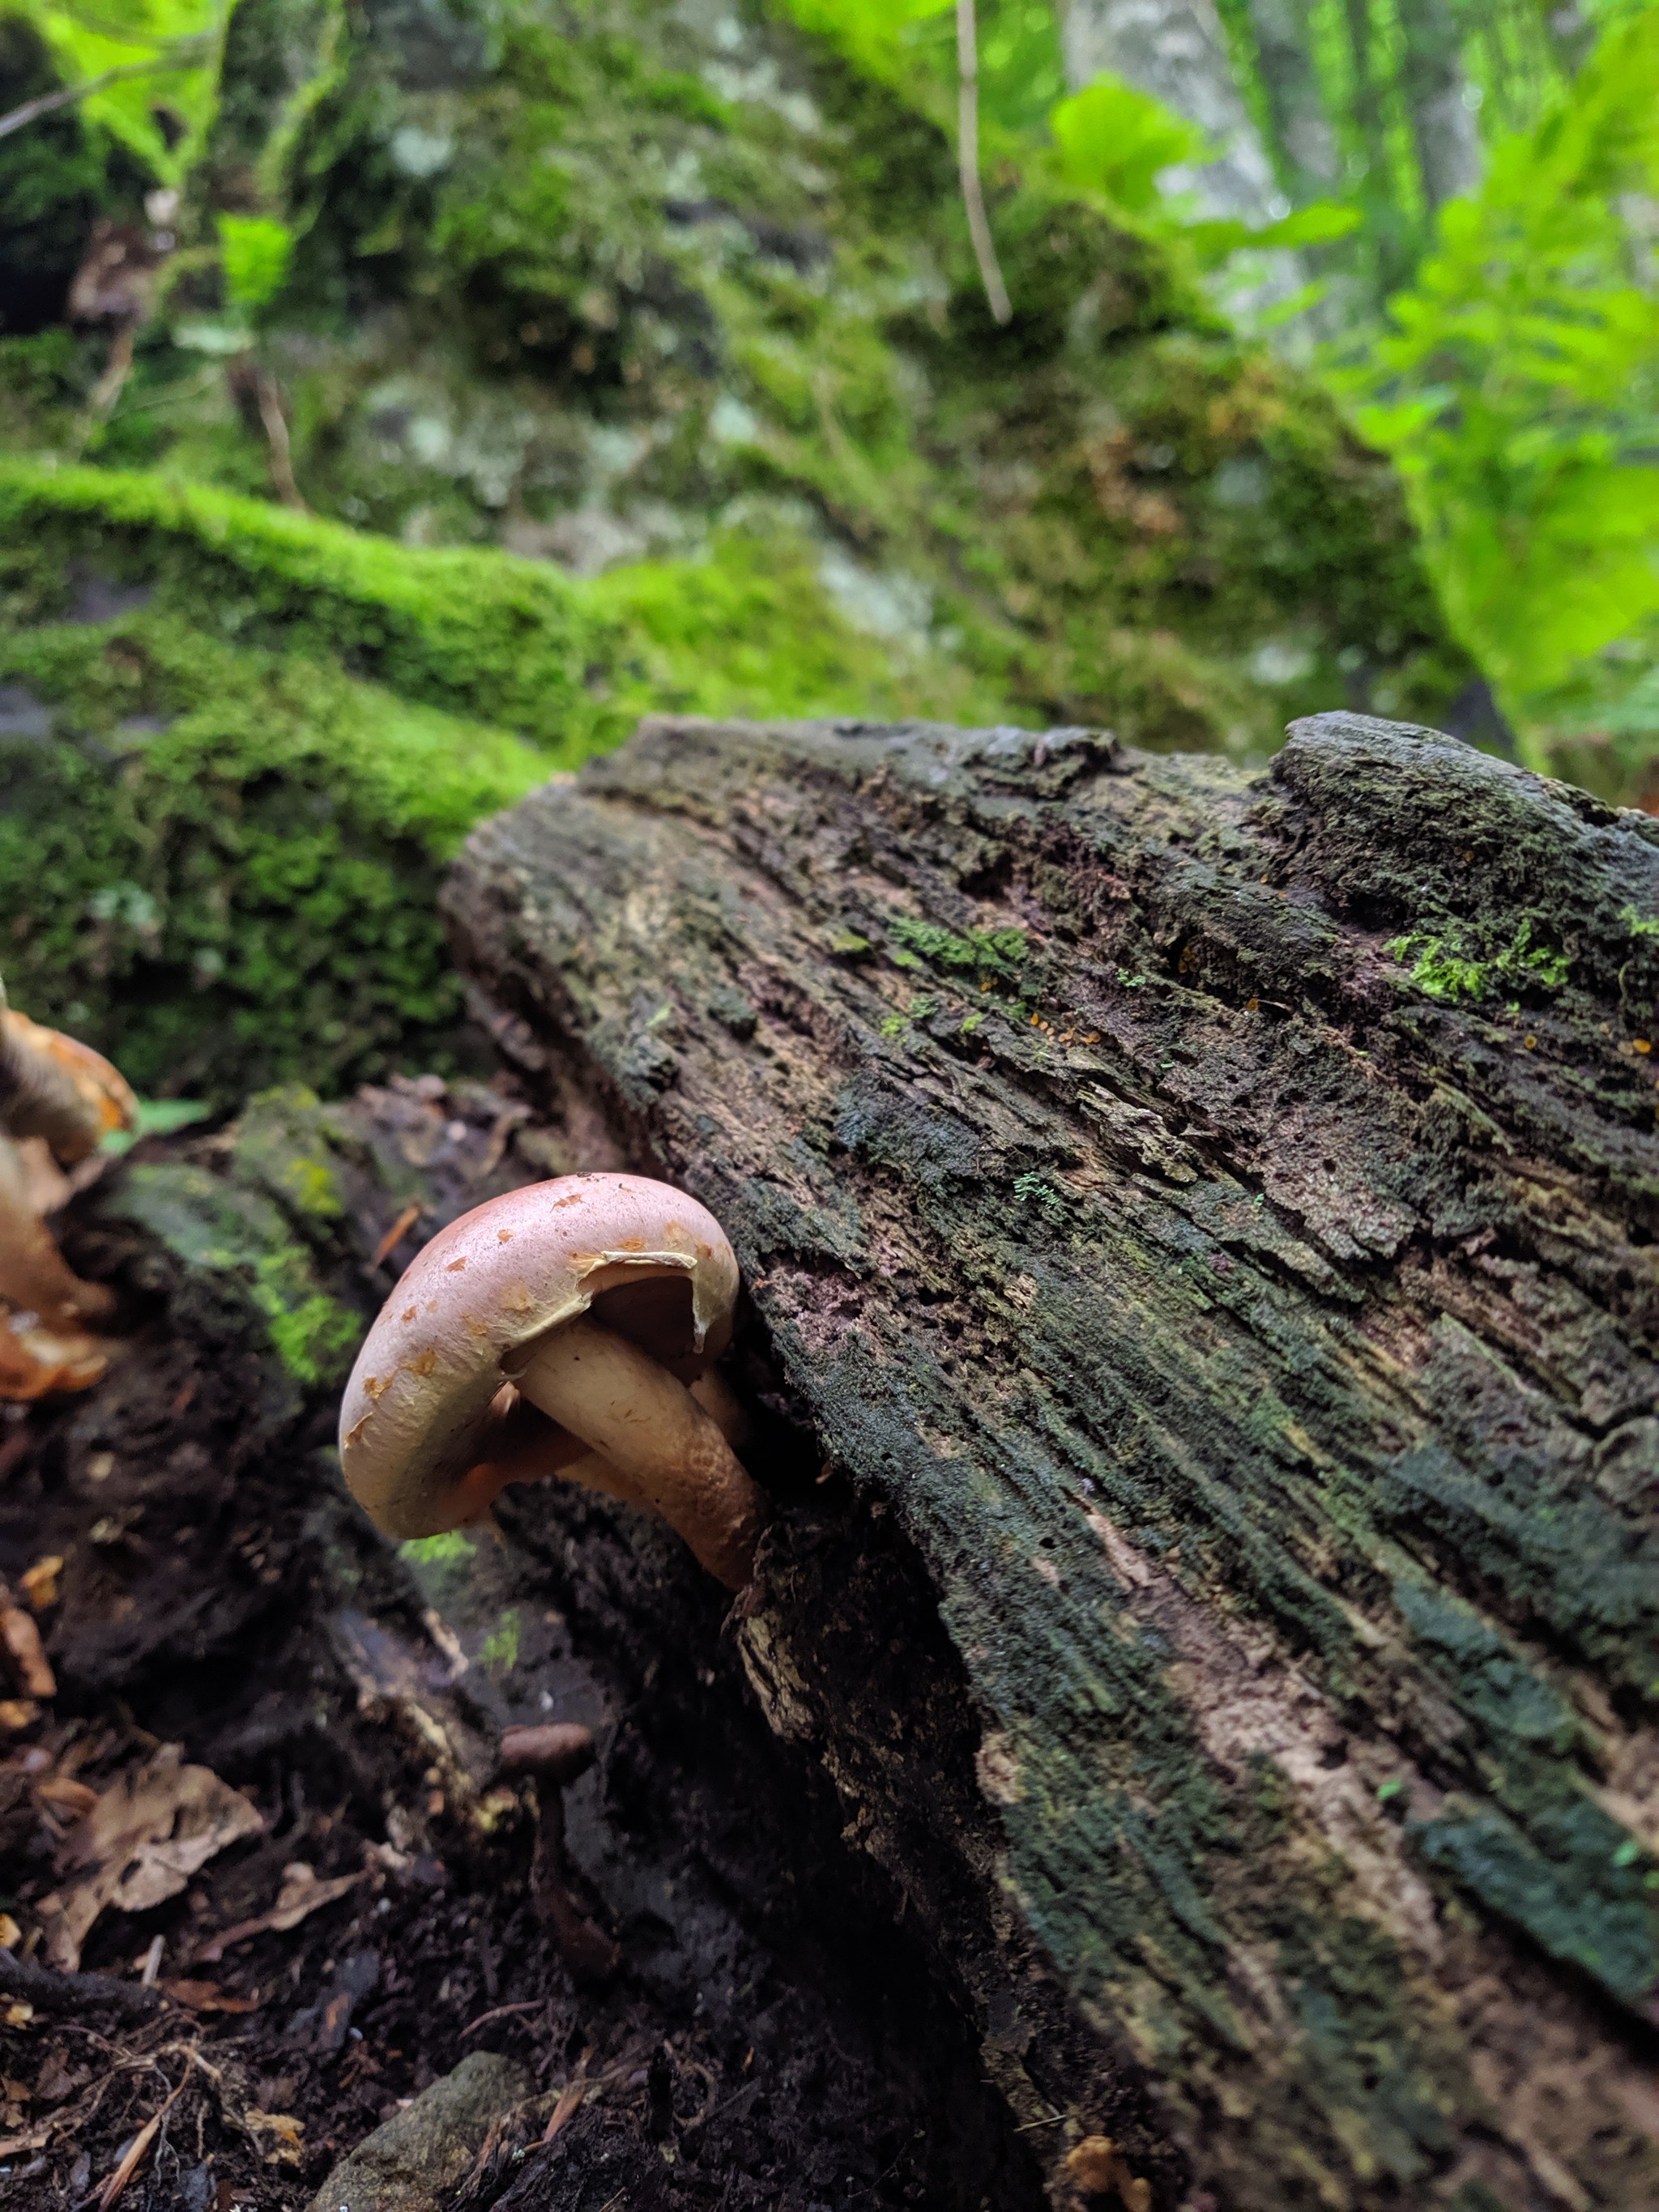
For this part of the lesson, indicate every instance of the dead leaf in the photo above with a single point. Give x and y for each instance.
(208, 1996)
(301, 1894)
(16, 1713)
(143, 1839)
(19, 2013)
(289, 2147)
(21, 1639)
(40, 1582)
(68, 1795)
(10, 1934)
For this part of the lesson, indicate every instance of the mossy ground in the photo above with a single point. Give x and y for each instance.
(680, 306)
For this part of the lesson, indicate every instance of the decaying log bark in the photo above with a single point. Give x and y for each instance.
(1214, 1217)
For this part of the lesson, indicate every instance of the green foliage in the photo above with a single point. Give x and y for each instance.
(255, 251)
(594, 278)
(1519, 392)
(155, 53)
(1031, 1190)
(1115, 141)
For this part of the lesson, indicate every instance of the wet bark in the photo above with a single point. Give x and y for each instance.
(1200, 1232)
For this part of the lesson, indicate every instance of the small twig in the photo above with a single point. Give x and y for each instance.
(979, 229)
(569, 2104)
(395, 1235)
(275, 425)
(118, 369)
(66, 95)
(501, 2012)
(140, 2143)
(50, 1992)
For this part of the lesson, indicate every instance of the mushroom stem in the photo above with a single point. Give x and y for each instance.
(649, 1427)
(554, 1756)
(34, 1278)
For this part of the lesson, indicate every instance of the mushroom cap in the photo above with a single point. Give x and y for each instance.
(58, 1088)
(560, 1751)
(486, 1289)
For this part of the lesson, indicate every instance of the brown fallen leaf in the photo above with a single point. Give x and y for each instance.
(288, 2149)
(143, 1839)
(22, 1640)
(40, 1582)
(208, 1996)
(17, 1713)
(66, 1794)
(301, 1894)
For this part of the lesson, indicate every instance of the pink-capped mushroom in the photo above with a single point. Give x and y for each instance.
(570, 1328)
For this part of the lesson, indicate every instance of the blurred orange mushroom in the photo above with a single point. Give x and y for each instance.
(58, 1100)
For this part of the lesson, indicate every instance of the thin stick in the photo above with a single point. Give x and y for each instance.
(140, 2143)
(67, 94)
(979, 229)
(50, 1992)
(276, 426)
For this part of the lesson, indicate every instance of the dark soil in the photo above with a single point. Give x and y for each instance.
(772, 2037)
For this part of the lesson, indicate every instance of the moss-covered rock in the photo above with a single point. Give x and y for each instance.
(633, 359)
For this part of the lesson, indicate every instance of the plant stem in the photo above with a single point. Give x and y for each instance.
(67, 94)
(996, 292)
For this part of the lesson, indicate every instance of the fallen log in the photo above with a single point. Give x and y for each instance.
(1204, 1224)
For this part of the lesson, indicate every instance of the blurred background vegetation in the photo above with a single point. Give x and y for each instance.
(398, 397)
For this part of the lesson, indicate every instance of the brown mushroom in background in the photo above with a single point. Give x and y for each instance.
(569, 1328)
(58, 1100)
(554, 1756)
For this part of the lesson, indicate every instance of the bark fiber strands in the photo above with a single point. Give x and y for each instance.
(1217, 1217)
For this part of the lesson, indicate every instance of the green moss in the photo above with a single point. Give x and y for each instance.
(594, 276)
(454, 1549)
(220, 864)
(499, 1653)
(221, 1228)
(481, 635)
(1032, 1191)
(1456, 964)
(1607, 1927)
(982, 952)
(313, 1335)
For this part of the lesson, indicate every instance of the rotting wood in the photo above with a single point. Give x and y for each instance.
(1215, 1217)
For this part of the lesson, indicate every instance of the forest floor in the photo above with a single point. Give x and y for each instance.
(268, 1772)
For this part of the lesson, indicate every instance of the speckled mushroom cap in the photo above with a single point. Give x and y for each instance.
(480, 1295)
